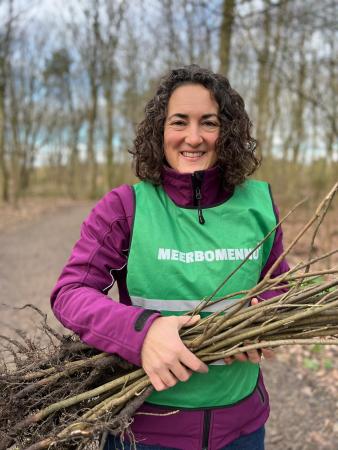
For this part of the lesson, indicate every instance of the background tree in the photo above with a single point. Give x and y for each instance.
(5, 46)
(226, 32)
(109, 36)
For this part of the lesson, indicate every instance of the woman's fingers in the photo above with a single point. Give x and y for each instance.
(241, 357)
(166, 378)
(187, 321)
(181, 372)
(189, 360)
(238, 357)
(254, 356)
(268, 353)
(228, 360)
(156, 381)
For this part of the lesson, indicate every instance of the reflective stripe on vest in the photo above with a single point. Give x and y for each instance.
(182, 305)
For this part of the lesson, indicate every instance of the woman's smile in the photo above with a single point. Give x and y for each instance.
(192, 154)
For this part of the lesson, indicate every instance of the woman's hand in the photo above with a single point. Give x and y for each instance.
(165, 359)
(254, 356)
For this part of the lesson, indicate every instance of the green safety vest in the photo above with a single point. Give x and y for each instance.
(175, 262)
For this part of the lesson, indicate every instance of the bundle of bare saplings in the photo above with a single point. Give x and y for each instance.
(65, 395)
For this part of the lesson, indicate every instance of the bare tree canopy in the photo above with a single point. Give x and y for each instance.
(75, 76)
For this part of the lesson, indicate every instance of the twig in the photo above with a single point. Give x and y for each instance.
(266, 344)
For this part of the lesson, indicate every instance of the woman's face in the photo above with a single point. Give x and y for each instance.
(191, 129)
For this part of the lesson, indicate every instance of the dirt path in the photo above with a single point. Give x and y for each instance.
(304, 402)
(32, 254)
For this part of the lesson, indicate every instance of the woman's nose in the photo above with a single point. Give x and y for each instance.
(193, 136)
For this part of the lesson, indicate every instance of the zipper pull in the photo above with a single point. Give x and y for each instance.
(198, 195)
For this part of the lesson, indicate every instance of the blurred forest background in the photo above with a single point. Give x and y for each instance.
(75, 76)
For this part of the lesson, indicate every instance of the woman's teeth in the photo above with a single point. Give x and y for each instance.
(192, 154)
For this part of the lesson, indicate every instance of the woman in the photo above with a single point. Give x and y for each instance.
(168, 242)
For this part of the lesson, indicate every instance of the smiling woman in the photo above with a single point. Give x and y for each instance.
(193, 153)
(191, 129)
(195, 110)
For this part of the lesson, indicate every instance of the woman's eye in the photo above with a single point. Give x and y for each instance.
(211, 124)
(178, 123)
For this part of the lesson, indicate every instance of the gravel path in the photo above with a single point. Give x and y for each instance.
(304, 412)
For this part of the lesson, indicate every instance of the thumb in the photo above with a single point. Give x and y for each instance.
(188, 321)
(254, 301)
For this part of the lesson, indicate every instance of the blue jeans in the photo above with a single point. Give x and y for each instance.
(252, 441)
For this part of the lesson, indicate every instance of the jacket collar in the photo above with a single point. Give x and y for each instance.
(183, 187)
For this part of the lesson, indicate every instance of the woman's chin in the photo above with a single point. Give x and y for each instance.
(191, 167)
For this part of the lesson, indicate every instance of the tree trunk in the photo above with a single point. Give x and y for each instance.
(172, 40)
(92, 112)
(4, 175)
(331, 134)
(262, 93)
(299, 105)
(91, 157)
(73, 180)
(281, 44)
(109, 42)
(191, 30)
(5, 43)
(228, 18)
(109, 135)
(15, 155)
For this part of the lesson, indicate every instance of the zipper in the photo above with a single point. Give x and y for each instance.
(199, 209)
(197, 178)
(260, 392)
(206, 429)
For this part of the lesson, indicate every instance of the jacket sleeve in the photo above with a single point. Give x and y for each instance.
(79, 299)
(276, 250)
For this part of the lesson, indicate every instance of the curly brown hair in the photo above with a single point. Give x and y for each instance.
(235, 146)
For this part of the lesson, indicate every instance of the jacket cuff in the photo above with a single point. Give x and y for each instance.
(141, 326)
(143, 317)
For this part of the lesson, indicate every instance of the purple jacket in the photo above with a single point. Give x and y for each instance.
(99, 259)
